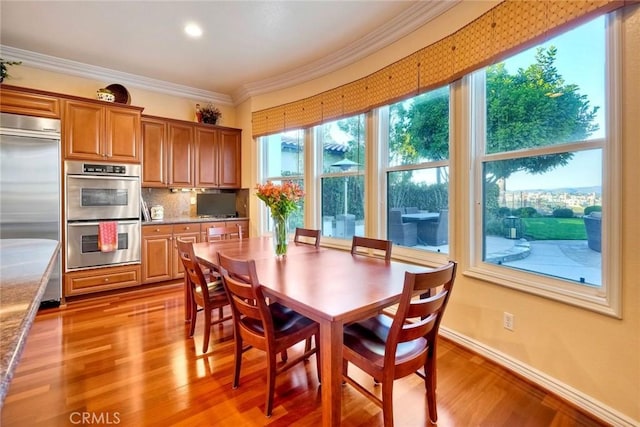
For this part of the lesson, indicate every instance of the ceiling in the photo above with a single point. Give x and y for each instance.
(247, 47)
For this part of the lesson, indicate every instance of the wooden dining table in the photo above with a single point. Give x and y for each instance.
(330, 286)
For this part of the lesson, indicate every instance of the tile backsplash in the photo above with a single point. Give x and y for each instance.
(178, 204)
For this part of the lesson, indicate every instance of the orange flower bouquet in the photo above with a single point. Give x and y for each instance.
(282, 200)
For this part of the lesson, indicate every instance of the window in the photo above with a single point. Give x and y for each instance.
(283, 159)
(543, 149)
(342, 145)
(417, 171)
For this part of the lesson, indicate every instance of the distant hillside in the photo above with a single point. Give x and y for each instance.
(571, 190)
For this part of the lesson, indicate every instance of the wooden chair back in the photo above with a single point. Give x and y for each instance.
(192, 270)
(307, 236)
(224, 233)
(376, 247)
(246, 298)
(416, 318)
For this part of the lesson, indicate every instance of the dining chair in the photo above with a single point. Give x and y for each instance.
(378, 245)
(204, 296)
(307, 236)
(224, 233)
(272, 328)
(388, 348)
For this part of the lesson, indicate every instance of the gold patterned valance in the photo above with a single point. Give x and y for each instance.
(511, 25)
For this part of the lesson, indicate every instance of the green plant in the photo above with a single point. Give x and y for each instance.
(590, 209)
(3, 68)
(562, 213)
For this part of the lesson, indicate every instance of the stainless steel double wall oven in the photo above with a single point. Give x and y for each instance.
(96, 192)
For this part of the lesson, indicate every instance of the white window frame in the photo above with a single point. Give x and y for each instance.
(407, 253)
(607, 298)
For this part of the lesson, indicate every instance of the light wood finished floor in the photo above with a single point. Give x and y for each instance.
(126, 360)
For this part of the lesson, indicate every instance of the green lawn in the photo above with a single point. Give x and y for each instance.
(554, 228)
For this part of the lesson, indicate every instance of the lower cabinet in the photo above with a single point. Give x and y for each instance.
(160, 260)
(101, 279)
(157, 249)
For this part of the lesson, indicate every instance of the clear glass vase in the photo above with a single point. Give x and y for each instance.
(280, 235)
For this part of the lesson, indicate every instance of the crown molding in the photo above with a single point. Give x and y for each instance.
(79, 69)
(397, 27)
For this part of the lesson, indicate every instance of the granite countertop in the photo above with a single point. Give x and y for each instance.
(25, 267)
(181, 220)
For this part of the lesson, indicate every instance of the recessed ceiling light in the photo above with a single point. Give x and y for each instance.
(193, 30)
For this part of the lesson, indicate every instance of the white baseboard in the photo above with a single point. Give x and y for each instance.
(570, 394)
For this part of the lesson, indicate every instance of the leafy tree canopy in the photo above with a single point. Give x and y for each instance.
(534, 107)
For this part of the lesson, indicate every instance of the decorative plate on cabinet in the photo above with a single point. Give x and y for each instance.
(121, 93)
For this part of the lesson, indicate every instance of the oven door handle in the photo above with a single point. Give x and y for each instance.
(83, 224)
(111, 178)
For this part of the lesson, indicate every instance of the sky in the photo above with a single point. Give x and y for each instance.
(580, 61)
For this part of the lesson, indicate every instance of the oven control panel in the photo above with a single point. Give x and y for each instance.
(105, 169)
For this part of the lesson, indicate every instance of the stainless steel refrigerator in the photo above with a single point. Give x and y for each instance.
(30, 185)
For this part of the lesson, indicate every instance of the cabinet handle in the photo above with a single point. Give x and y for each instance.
(106, 279)
(157, 229)
(186, 228)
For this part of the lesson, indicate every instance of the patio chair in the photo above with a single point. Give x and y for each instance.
(402, 233)
(437, 232)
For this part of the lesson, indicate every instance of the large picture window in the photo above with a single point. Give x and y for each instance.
(417, 171)
(542, 144)
(342, 147)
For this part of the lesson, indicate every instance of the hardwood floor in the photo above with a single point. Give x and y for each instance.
(126, 360)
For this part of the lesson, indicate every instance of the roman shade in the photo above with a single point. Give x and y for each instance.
(510, 26)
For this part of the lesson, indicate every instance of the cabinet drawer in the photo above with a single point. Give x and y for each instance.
(101, 279)
(186, 228)
(156, 230)
(244, 223)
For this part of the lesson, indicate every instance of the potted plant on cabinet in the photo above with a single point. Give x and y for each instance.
(210, 114)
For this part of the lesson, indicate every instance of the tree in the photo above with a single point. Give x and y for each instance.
(532, 108)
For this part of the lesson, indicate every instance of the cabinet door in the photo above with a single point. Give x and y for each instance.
(206, 157)
(229, 158)
(156, 258)
(154, 153)
(189, 233)
(83, 130)
(181, 155)
(122, 136)
(30, 104)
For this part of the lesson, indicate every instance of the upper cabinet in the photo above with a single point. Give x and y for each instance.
(181, 149)
(154, 153)
(229, 156)
(95, 131)
(29, 102)
(183, 154)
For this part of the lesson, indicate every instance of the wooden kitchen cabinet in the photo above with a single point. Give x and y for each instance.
(181, 148)
(95, 131)
(217, 157)
(28, 102)
(207, 168)
(157, 249)
(101, 279)
(160, 261)
(229, 158)
(154, 152)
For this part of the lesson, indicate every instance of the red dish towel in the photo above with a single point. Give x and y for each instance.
(108, 236)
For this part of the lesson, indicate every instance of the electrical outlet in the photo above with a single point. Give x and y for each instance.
(507, 321)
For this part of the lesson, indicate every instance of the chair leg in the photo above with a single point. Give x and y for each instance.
(284, 356)
(237, 362)
(207, 330)
(271, 383)
(307, 344)
(318, 360)
(387, 403)
(194, 314)
(220, 315)
(430, 384)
